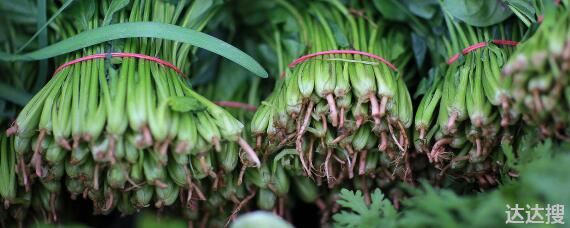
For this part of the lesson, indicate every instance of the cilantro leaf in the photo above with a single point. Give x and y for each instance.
(380, 213)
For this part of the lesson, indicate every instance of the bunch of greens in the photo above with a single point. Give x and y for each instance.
(127, 133)
(539, 71)
(467, 110)
(342, 113)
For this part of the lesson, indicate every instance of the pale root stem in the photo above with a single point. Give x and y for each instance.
(147, 136)
(111, 151)
(108, 202)
(64, 143)
(199, 192)
(479, 149)
(359, 121)
(401, 139)
(287, 139)
(342, 116)
(96, 177)
(451, 122)
(310, 154)
(217, 145)
(75, 142)
(437, 147)
(305, 124)
(333, 112)
(353, 163)
(383, 141)
(340, 137)
(272, 188)
(340, 161)
(327, 163)
(362, 163)
(186, 198)
(216, 183)
(350, 150)
(249, 151)
(422, 133)
(375, 109)
(160, 184)
(234, 199)
(38, 147)
(37, 161)
(299, 149)
(383, 104)
(403, 135)
(22, 165)
(258, 140)
(240, 206)
(241, 173)
(394, 137)
(12, 130)
(163, 148)
(134, 185)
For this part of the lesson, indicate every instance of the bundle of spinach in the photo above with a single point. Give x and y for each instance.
(467, 110)
(127, 132)
(539, 71)
(341, 112)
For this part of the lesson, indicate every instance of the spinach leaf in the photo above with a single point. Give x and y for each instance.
(478, 12)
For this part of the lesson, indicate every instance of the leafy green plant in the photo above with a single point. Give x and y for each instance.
(380, 212)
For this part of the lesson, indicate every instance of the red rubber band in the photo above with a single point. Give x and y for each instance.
(235, 104)
(331, 52)
(119, 54)
(480, 45)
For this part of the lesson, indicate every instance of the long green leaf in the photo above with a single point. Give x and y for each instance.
(142, 29)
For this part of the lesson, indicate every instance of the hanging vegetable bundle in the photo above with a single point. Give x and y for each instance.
(344, 105)
(127, 132)
(539, 71)
(467, 111)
